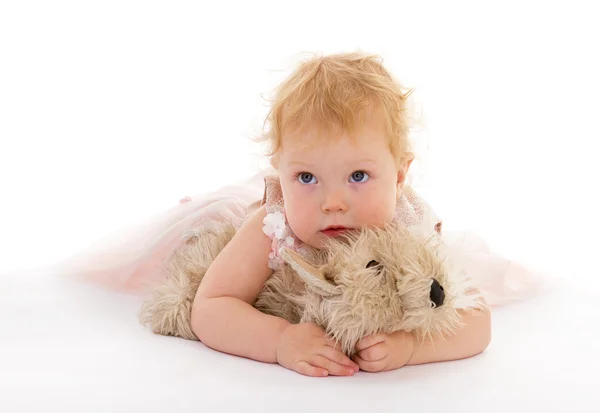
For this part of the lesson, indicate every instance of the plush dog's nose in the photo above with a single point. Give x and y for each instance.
(437, 293)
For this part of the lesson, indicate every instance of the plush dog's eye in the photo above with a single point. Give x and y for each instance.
(372, 263)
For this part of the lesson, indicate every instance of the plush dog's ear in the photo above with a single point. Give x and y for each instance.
(313, 277)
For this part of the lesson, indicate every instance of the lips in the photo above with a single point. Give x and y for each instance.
(334, 230)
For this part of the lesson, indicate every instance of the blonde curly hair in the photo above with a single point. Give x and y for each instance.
(339, 92)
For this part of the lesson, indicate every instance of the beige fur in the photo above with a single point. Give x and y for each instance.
(332, 287)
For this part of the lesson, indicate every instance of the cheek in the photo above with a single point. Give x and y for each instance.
(300, 213)
(302, 225)
(376, 209)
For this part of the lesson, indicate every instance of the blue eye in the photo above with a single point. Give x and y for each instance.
(306, 178)
(359, 176)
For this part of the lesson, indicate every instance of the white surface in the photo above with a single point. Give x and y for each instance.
(73, 348)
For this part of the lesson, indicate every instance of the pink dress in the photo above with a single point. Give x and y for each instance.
(130, 258)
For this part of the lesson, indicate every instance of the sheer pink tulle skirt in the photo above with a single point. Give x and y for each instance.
(131, 257)
(126, 260)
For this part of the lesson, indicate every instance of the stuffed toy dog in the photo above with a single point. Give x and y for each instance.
(366, 282)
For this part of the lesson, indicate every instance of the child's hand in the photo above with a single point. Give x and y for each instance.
(306, 349)
(381, 352)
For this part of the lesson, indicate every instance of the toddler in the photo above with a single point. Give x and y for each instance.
(340, 154)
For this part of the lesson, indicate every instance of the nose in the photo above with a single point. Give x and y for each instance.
(334, 202)
(437, 293)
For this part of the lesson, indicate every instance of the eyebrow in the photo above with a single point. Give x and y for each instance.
(300, 163)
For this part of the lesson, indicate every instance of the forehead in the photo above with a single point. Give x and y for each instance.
(367, 140)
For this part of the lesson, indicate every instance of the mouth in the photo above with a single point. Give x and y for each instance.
(334, 230)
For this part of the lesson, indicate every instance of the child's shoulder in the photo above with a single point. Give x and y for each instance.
(251, 237)
(241, 267)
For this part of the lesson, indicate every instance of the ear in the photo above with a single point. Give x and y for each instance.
(313, 277)
(403, 170)
(274, 161)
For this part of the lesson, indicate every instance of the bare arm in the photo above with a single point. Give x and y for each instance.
(381, 352)
(223, 317)
(473, 338)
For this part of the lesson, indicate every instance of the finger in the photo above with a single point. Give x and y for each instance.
(331, 366)
(338, 357)
(370, 366)
(307, 369)
(374, 353)
(369, 341)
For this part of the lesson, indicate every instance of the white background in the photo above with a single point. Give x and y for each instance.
(111, 111)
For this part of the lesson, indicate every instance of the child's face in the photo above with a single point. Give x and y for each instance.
(338, 183)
